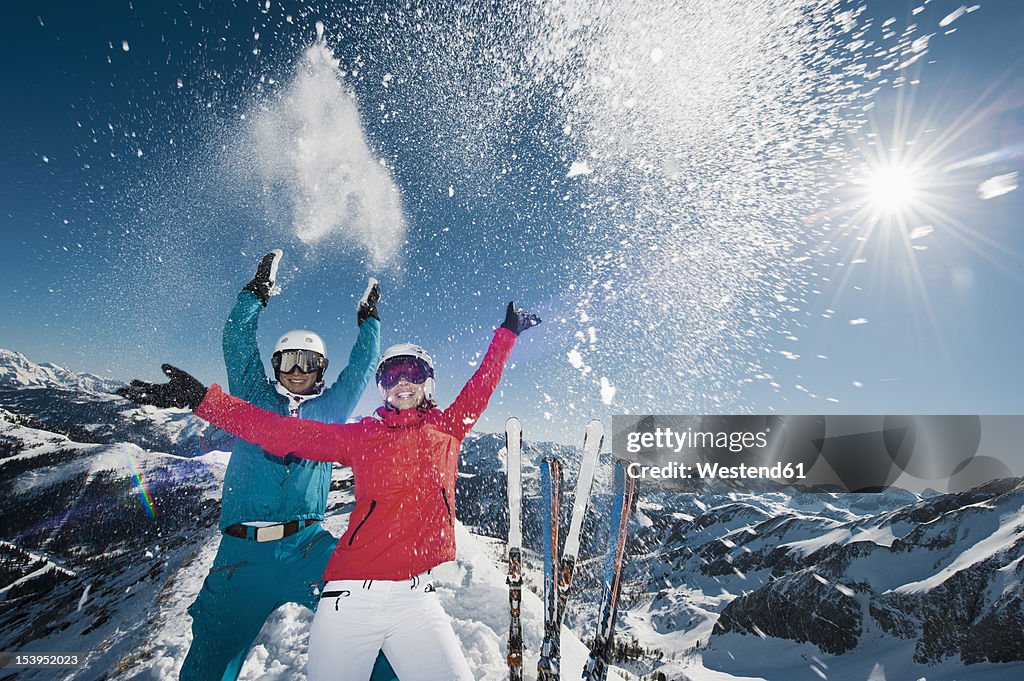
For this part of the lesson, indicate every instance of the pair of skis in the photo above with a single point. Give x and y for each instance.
(623, 506)
(558, 571)
(559, 568)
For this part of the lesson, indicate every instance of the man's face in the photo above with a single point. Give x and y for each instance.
(298, 382)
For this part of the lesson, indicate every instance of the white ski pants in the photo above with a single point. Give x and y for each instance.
(357, 618)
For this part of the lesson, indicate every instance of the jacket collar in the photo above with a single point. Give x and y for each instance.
(295, 400)
(406, 418)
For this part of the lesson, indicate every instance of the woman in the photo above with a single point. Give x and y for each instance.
(378, 594)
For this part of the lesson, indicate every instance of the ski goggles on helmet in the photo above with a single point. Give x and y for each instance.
(307, 361)
(413, 369)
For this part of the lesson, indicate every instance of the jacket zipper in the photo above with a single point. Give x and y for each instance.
(447, 506)
(373, 505)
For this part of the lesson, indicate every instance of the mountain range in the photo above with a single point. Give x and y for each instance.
(108, 525)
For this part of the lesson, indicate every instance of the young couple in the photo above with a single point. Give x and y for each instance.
(378, 594)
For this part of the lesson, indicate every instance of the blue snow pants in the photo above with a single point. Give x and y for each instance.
(247, 582)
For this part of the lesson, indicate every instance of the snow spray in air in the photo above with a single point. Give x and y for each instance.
(309, 151)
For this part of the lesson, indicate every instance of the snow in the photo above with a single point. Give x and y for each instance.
(85, 596)
(810, 546)
(921, 232)
(997, 186)
(678, 618)
(883, 536)
(607, 391)
(1011, 529)
(49, 567)
(17, 370)
(767, 659)
(953, 16)
(308, 144)
(472, 591)
(214, 458)
(579, 168)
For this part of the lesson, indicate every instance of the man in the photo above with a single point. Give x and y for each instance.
(273, 549)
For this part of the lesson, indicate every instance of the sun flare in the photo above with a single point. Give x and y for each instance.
(892, 188)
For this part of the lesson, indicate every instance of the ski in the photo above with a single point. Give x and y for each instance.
(551, 503)
(593, 438)
(623, 506)
(592, 441)
(514, 464)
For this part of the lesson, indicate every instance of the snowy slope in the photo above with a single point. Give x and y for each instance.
(125, 600)
(82, 406)
(104, 543)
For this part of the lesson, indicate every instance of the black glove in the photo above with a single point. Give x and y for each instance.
(183, 390)
(266, 274)
(368, 303)
(518, 320)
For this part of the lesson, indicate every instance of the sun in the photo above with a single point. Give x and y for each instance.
(892, 188)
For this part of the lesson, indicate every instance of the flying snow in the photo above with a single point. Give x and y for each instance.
(706, 130)
(921, 232)
(579, 168)
(953, 16)
(307, 147)
(997, 186)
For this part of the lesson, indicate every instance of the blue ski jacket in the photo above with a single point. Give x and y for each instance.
(259, 486)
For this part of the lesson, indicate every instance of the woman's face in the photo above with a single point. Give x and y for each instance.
(405, 395)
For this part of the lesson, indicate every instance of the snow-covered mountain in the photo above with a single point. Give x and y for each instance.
(19, 371)
(83, 407)
(105, 540)
(935, 583)
(841, 574)
(105, 546)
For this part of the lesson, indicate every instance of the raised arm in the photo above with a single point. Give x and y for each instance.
(465, 411)
(340, 399)
(246, 375)
(278, 434)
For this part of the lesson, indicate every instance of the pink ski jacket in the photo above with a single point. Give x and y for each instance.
(405, 465)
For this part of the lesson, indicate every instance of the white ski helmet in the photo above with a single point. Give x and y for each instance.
(407, 350)
(300, 339)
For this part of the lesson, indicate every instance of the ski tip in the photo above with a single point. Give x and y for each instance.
(593, 438)
(514, 424)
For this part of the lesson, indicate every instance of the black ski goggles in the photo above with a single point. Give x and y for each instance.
(307, 361)
(412, 369)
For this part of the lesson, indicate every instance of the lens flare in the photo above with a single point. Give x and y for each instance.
(145, 498)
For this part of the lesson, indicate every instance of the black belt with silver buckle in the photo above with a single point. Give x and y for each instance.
(270, 532)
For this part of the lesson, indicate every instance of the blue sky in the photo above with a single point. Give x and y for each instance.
(670, 189)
